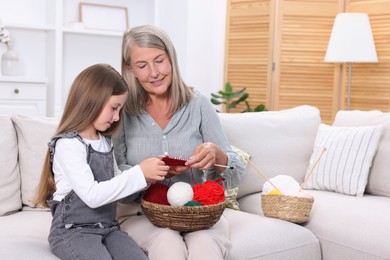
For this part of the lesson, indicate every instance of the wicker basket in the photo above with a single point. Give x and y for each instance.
(184, 218)
(289, 208)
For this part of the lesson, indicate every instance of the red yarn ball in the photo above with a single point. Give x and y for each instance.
(208, 193)
(157, 193)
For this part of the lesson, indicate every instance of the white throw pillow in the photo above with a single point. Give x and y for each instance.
(345, 165)
(33, 135)
(10, 200)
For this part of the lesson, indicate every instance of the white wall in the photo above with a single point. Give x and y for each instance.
(205, 45)
(197, 28)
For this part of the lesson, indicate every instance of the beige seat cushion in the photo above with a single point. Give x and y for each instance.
(29, 239)
(351, 227)
(257, 237)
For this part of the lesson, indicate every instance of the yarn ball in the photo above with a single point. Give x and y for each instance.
(302, 194)
(193, 203)
(157, 193)
(275, 192)
(208, 193)
(286, 185)
(180, 193)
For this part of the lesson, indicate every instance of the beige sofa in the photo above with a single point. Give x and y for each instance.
(280, 142)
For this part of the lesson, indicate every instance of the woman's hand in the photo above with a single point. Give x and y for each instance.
(206, 155)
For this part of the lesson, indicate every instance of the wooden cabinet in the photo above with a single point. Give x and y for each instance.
(50, 46)
(22, 96)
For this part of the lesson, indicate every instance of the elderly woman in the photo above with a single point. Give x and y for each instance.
(164, 116)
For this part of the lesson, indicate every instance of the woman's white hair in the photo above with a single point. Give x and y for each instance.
(150, 36)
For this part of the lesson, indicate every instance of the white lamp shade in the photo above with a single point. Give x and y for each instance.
(351, 39)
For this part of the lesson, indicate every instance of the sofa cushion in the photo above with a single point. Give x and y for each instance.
(10, 200)
(345, 165)
(351, 227)
(24, 236)
(251, 203)
(258, 237)
(379, 177)
(33, 135)
(280, 142)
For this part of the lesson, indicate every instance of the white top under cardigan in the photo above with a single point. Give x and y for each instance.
(72, 172)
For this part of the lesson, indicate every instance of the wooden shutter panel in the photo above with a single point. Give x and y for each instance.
(249, 44)
(370, 85)
(301, 31)
(301, 75)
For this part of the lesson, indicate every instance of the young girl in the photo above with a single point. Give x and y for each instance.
(81, 182)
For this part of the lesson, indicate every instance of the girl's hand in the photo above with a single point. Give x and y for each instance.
(154, 169)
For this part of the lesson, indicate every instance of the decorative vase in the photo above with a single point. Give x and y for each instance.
(10, 64)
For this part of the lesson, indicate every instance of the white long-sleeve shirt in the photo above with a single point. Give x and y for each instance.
(72, 172)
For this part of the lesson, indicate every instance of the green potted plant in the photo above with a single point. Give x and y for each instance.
(231, 99)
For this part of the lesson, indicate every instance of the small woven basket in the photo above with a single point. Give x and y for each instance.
(183, 218)
(289, 208)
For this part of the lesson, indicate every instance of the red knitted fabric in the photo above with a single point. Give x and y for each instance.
(157, 193)
(208, 193)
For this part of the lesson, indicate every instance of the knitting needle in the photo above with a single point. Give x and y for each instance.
(262, 174)
(224, 166)
(312, 169)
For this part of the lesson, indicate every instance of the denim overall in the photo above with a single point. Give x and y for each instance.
(80, 232)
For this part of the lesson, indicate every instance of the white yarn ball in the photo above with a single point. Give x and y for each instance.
(286, 184)
(180, 193)
(302, 194)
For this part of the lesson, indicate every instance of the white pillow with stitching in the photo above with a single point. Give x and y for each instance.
(345, 165)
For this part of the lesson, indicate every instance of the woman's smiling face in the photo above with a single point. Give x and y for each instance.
(152, 68)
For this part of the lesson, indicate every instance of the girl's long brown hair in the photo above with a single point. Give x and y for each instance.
(88, 95)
